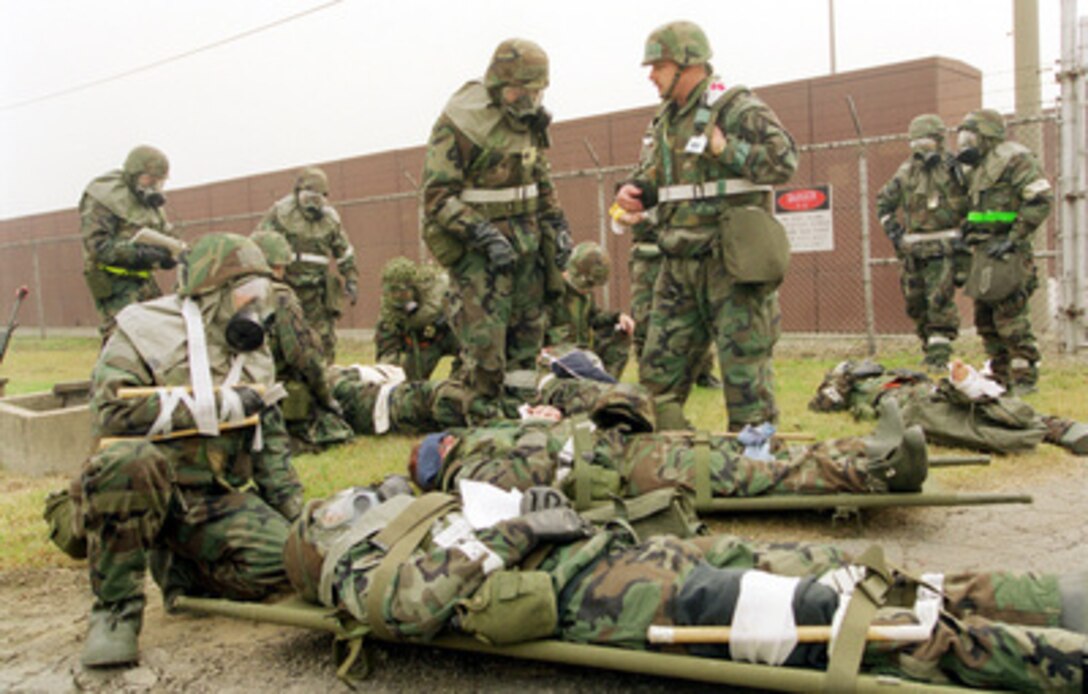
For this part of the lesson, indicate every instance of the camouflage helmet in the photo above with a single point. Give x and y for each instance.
(312, 178)
(684, 43)
(146, 159)
(217, 258)
(274, 245)
(517, 62)
(399, 271)
(589, 266)
(926, 125)
(986, 122)
(626, 405)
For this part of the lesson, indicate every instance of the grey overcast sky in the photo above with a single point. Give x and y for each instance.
(284, 83)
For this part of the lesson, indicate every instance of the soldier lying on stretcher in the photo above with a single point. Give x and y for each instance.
(629, 458)
(966, 409)
(413, 568)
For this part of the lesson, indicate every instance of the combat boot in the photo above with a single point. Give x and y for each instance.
(1070, 435)
(938, 350)
(897, 456)
(113, 632)
(1023, 377)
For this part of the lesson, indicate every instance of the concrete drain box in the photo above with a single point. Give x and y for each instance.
(46, 433)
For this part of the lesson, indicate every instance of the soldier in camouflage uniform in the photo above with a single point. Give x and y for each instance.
(312, 227)
(312, 414)
(190, 484)
(929, 188)
(428, 570)
(492, 216)
(576, 319)
(1010, 197)
(948, 412)
(113, 209)
(715, 153)
(413, 329)
(628, 459)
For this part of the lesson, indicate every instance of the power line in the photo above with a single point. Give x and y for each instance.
(171, 59)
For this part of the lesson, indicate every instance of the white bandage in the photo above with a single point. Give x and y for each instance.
(380, 415)
(378, 374)
(973, 384)
(764, 629)
(200, 373)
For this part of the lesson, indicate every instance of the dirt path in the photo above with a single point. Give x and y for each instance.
(45, 611)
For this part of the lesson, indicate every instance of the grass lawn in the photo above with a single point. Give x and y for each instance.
(33, 364)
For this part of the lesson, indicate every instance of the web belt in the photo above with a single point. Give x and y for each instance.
(710, 189)
(487, 195)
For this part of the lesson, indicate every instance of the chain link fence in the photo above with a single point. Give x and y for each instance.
(848, 290)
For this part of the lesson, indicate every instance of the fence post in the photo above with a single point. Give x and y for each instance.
(419, 216)
(866, 251)
(602, 229)
(38, 291)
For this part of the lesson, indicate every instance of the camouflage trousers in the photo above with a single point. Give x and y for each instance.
(207, 540)
(696, 303)
(653, 461)
(643, 273)
(1005, 329)
(124, 291)
(997, 630)
(314, 302)
(929, 291)
(498, 317)
(419, 357)
(413, 406)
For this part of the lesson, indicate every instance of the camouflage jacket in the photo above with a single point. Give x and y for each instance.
(149, 348)
(110, 215)
(1009, 179)
(930, 200)
(324, 237)
(758, 149)
(296, 348)
(522, 455)
(474, 145)
(575, 319)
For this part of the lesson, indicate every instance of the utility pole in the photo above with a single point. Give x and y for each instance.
(1072, 178)
(831, 32)
(1029, 98)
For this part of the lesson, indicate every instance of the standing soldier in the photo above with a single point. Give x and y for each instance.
(643, 267)
(1009, 198)
(116, 207)
(312, 227)
(715, 153)
(413, 330)
(492, 216)
(575, 319)
(198, 485)
(312, 414)
(929, 189)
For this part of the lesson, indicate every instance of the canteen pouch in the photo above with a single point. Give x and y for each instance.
(334, 289)
(993, 279)
(446, 248)
(755, 248)
(511, 607)
(298, 404)
(99, 283)
(63, 516)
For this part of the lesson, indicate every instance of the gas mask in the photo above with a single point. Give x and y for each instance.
(968, 146)
(312, 203)
(525, 105)
(926, 150)
(151, 196)
(245, 329)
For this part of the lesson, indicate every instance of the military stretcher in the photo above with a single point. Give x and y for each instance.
(354, 657)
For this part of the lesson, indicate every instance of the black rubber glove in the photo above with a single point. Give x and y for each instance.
(1001, 248)
(252, 402)
(895, 232)
(564, 244)
(487, 239)
(148, 257)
